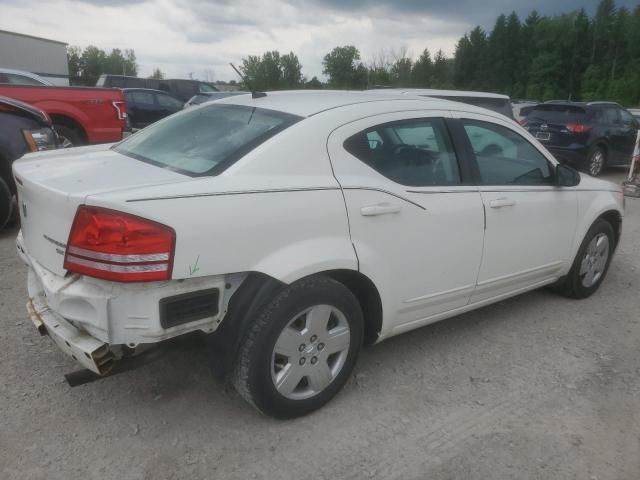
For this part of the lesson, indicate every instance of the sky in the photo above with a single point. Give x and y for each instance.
(200, 37)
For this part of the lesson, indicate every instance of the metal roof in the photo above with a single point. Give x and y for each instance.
(33, 37)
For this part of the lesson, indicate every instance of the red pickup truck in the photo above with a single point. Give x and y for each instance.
(80, 115)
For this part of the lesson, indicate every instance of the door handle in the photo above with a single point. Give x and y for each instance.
(502, 202)
(380, 209)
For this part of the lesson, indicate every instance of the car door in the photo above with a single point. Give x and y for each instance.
(416, 222)
(624, 136)
(141, 108)
(530, 223)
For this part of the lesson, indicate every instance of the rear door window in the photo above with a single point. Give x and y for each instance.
(140, 98)
(205, 141)
(607, 116)
(416, 152)
(625, 116)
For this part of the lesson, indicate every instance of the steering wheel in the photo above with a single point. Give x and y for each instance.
(396, 149)
(411, 155)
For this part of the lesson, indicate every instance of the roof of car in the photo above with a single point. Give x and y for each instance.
(306, 103)
(431, 92)
(577, 104)
(141, 89)
(26, 74)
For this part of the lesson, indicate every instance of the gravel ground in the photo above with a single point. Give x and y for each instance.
(536, 387)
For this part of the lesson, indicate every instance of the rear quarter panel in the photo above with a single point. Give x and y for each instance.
(278, 211)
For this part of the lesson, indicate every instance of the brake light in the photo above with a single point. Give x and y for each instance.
(121, 109)
(578, 127)
(117, 246)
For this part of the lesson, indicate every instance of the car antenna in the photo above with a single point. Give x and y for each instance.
(254, 93)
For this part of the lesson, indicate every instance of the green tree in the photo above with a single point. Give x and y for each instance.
(343, 67)
(422, 70)
(470, 61)
(441, 71)
(93, 62)
(74, 55)
(401, 72)
(157, 74)
(272, 71)
(313, 84)
(291, 71)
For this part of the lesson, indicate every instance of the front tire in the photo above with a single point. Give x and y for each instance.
(298, 354)
(591, 263)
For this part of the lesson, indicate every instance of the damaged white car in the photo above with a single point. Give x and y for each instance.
(294, 227)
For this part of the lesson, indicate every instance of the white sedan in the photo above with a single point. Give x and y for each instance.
(295, 227)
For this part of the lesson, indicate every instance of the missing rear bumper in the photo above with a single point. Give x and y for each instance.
(93, 354)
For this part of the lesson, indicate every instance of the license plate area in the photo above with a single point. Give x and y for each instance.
(544, 136)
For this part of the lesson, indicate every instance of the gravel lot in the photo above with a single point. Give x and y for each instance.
(536, 387)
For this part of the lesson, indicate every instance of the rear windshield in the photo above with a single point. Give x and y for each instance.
(205, 140)
(561, 114)
(499, 105)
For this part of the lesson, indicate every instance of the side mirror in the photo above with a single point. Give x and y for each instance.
(566, 176)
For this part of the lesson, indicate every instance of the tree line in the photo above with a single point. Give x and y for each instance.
(85, 66)
(569, 56)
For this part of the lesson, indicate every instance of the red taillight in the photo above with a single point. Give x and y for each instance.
(578, 128)
(118, 246)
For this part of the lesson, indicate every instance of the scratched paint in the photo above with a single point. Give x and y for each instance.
(194, 268)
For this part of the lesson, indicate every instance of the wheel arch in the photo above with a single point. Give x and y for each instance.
(368, 297)
(256, 292)
(615, 219)
(70, 122)
(604, 145)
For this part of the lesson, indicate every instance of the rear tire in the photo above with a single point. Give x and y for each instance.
(591, 263)
(298, 354)
(68, 136)
(6, 204)
(596, 161)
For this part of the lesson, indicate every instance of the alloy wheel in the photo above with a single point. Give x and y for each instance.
(596, 163)
(310, 352)
(594, 261)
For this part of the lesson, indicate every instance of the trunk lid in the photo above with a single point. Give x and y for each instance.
(51, 185)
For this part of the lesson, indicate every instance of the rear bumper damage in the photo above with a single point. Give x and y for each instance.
(89, 352)
(101, 323)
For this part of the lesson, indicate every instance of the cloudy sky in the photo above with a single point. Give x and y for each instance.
(201, 37)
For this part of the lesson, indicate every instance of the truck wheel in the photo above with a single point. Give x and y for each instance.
(300, 351)
(591, 263)
(68, 136)
(596, 161)
(6, 204)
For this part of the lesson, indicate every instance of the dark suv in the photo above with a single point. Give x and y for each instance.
(589, 136)
(145, 106)
(180, 88)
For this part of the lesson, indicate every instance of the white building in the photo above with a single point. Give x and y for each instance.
(44, 57)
